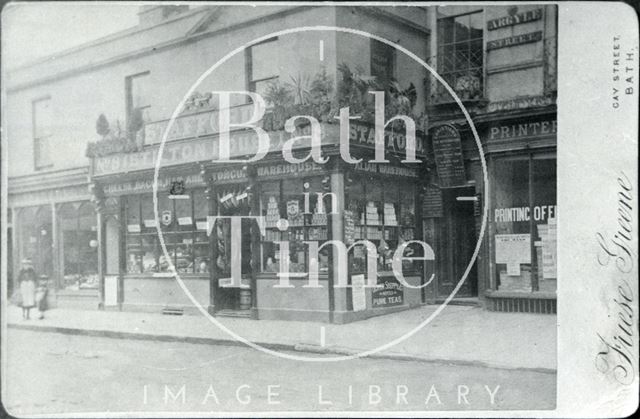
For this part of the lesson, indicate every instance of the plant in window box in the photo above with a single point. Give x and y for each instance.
(468, 87)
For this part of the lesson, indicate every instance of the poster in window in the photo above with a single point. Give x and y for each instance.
(513, 248)
(359, 297)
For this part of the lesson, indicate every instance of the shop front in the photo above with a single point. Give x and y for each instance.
(516, 268)
(325, 226)
(54, 224)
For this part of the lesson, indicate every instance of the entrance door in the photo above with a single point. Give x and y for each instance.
(227, 298)
(459, 241)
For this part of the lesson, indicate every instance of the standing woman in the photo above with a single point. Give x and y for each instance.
(27, 278)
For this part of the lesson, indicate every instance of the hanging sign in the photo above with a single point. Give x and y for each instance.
(447, 148)
(432, 203)
(166, 217)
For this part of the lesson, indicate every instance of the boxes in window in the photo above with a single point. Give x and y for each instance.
(390, 214)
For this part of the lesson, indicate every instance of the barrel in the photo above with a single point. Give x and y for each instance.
(245, 299)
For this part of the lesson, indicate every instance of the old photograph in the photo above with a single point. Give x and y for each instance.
(279, 209)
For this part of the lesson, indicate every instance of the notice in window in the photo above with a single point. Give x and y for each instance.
(513, 248)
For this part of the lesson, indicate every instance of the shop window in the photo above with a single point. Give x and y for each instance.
(460, 55)
(42, 133)
(285, 200)
(183, 225)
(262, 65)
(384, 214)
(79, 239)
(524, 218)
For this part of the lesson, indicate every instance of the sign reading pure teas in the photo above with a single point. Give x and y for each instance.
(447, 149)
(390, 294)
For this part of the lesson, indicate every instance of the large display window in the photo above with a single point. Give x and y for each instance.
(183, 224)
(382, 212)
(524, 221)
(294, 203)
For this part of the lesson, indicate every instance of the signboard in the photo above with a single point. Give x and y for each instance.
(513, 248)
(514, 40)
(194, 125)
(386, 169)
(521, 103)
(146, 185)
(523, 130)
(287, 169)
(349, 227)
(447, 149)
(514, 19)
(390, 294)
(358, 294)
(432, 203)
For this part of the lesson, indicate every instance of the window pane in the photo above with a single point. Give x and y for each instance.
(475, 26)
(512, 225)
(461, 28)
(140, 91)
(462, 56)
(446, 28)
(475, 53)
(264, 60)
(42, 118)
(544, 219)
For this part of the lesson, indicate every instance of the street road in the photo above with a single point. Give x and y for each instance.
(55, 373)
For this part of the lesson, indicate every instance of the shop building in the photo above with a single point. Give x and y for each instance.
(502, 62)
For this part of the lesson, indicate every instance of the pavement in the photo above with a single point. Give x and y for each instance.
(459, 335)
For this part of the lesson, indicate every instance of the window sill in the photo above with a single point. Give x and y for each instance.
(544, 295)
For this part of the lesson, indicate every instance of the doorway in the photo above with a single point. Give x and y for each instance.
(458, 238)
(229, 300)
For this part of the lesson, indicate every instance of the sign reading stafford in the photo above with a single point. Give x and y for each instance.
(236, 140)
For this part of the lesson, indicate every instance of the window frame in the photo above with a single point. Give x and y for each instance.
(440, 45)
(129, 82)
(38, 164)
(248, 53)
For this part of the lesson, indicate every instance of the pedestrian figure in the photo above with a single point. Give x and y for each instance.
(27, 278)
(41, 297)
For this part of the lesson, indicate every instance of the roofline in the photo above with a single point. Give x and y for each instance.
(107, 38)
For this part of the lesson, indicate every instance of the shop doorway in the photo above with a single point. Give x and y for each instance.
(459, 241)
(233, 301)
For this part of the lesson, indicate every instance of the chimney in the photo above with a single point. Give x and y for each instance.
(154, 14)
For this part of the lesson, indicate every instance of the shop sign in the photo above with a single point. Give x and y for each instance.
(432, 203)
(229, 175)
(195, 125)
(523, 214)
(390, 293)
(386, 169)
(447, 148)
(166, 217)
(146, 185)
(395, 141)
(286, 169)
(61, 194)
(511, 41)
(523, 130)
(515, 19)
(521, 103)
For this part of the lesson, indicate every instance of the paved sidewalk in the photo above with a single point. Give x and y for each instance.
(459, 335)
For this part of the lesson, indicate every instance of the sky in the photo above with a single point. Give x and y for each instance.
(37, 29)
